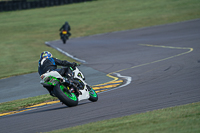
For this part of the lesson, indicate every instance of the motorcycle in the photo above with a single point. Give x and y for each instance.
(68, 94)
(64, 36)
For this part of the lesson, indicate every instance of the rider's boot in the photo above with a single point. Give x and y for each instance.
(72, 85)
(67, 83)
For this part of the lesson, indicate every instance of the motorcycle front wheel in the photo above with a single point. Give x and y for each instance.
(93, 94)
(69, 99)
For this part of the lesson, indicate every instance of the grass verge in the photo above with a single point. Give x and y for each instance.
(23, 103)
(180, 119)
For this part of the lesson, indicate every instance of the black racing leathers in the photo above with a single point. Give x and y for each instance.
(66, 27)
(50, 64)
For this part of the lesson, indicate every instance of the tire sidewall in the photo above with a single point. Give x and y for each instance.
(92, 98)
(63, 97)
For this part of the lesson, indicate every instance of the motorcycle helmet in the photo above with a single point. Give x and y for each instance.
(46, 54)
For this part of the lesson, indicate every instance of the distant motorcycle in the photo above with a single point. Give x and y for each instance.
(64, 36)
(68, 94)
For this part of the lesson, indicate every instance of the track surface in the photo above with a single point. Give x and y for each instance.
(161, 76)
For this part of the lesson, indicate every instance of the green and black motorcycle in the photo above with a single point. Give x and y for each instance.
(67, 94)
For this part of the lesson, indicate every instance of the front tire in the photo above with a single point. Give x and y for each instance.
(93, 94)
(67, 98)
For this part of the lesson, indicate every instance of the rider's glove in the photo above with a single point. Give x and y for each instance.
(74, 64)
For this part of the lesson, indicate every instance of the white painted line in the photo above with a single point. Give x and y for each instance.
(128, 81)
(65, 53)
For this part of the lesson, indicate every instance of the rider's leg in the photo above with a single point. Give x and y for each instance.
(69, 34)
(67, 73)
(70, 81)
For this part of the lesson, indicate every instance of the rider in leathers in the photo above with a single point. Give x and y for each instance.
(66, 27)
(48, 63)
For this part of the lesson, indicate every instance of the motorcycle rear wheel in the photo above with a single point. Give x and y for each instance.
(69, 99)
(64, 41)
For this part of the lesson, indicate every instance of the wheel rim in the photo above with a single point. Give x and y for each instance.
(70, 95)
(92, 92)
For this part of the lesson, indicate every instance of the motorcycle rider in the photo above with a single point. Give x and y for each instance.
(66, 27)
(48, 63)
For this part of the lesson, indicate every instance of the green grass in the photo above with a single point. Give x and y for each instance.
(23, 33)
(180, 119)
(23, 103)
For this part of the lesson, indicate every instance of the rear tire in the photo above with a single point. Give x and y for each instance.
(93, 94)
(64, 38)
(67, 98)
(64, 41)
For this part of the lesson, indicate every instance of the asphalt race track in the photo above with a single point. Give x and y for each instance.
(163, 63)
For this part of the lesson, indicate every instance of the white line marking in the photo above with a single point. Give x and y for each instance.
(128, 81)
(65, 53)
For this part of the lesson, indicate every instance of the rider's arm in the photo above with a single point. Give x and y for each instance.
(62, 62)
(61, 28)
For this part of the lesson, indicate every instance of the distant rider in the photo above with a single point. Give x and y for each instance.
(66, 27)
(48, 63)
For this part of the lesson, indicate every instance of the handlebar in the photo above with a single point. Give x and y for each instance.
(75, 65)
